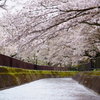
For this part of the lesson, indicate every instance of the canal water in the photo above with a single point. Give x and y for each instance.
(49, 89)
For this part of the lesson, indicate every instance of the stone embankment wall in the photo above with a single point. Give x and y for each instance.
(10, 77)
(89, 79)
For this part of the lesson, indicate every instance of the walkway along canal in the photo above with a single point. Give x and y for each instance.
(49, 89)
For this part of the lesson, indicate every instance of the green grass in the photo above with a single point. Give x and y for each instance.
(12, 71)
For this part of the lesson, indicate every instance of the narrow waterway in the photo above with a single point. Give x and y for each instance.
(49, 89)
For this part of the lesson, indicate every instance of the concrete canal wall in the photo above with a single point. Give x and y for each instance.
(10, 77)
(89, 79)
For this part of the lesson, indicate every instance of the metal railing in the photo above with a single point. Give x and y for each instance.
(12, 62)
(92, 65)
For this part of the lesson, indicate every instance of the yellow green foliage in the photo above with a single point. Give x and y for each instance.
(12, 71)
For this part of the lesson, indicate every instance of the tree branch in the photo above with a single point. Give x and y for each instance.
(78, 10)
(89, 23)
(2, 5)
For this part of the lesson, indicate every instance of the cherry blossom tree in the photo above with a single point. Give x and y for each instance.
(41, 20)
(2, 3)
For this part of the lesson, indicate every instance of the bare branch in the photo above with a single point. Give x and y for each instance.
(91, 23)
(2, 5)
(78, 10)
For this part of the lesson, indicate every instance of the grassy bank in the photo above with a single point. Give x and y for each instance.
(9, 70)
(94, 73)
(16, 76)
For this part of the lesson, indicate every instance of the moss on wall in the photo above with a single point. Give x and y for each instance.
(15, 76)
(96, 73)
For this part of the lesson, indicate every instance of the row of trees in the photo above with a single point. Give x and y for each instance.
(41, 20)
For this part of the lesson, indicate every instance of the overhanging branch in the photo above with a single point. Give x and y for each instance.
(89, 23)
(78, 10)
(2, 5)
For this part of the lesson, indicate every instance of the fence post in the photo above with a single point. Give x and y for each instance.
(10, 62)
